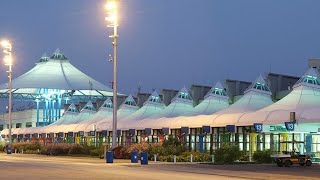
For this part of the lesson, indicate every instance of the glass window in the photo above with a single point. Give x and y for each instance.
(28, 124)
(18, 125)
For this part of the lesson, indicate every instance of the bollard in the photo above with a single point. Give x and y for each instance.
(38, 151)
(174, 158)
(191, 158)
(212, 158)
(105, 152)
(15, 151)
(155, 158)
(21, 151)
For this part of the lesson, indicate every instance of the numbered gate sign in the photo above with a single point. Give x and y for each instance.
(258, 127)
(289, 126)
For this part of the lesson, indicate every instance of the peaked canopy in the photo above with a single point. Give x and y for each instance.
(179, 105)
(57, 72)
(152, 106)
(127, 108)
(68, 116)
(215, 100)
(256, 97)
(304, 100)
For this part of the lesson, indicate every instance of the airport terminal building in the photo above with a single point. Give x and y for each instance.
(277, 112)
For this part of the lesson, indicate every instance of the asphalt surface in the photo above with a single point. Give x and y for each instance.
(17, 166)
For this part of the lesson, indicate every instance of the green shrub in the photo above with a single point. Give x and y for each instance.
(227, 154)
(185, 157)
(244, 156)
(86, 149)
(97, 151)
(26, 146)
(155, 149)
(168, 158)
(139, 147)
(173, 146)
(263, 156)
(31, 152)
(75, 149)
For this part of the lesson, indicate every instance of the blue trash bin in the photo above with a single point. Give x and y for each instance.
(109, 156)
(134, 157)
(9, 150)
(144, 158)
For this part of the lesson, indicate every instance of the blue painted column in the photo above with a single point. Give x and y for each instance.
(201, 142)
(38, 113)
(49, 112)
(308, 143)
(59, 108)
(45, 112)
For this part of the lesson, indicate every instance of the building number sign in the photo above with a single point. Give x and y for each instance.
(258, 127)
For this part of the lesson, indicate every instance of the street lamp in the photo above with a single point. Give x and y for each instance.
(8, 62)
(112, 19)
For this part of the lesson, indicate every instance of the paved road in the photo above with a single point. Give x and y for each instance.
(43, 167)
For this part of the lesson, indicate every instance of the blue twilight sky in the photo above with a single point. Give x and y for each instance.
(167, 43)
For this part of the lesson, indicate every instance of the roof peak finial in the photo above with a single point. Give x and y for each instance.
(57, 51)
(44, 57)
(57, 55)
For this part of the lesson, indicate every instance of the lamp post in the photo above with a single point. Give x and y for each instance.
(112, 19)
(8, 62)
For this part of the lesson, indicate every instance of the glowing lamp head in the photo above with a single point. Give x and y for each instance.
(111, 5)
(6, 44)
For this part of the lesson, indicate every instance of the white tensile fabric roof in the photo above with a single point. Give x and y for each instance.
(304, 100)
(104, 112)
(256, 97)
(215, 100)
(180, 104)
(127, 108)
(152, 106)
(69, 115)
(57, 73)
(255, 106)
(85, 113)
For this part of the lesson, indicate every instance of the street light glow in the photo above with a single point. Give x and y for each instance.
(112, 11)
(6, 44)
(111, 5)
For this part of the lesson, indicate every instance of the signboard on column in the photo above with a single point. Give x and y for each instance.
(258, 127)
(231, 128)
(289, 126)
